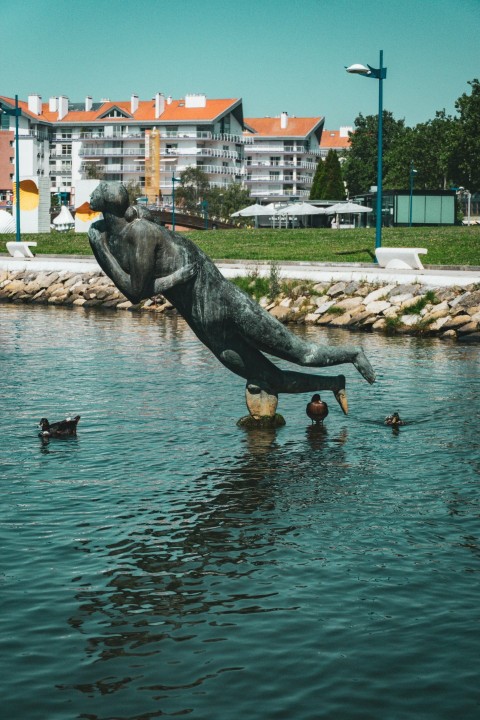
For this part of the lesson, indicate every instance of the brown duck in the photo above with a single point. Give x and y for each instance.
(317, 410)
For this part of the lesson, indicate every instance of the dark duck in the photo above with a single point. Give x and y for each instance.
(317, 410)
(63, 428)
(394, 420)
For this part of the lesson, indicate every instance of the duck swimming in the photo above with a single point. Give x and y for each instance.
(63, 428)
(317, 410)
(394, 420)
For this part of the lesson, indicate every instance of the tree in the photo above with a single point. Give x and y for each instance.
(330, 185)
(193, 189)
(466, 153)
(92, 171)
(222, 202)
(317, 178)
(360, 167)
(134, 190)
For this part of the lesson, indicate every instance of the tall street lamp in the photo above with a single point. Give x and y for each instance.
(413, 172)
(16, 112)
(174, 180)
(379, 74)
(205, 212)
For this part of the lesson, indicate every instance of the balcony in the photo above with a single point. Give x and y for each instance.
(288, 149)
(200, 152)
(220, 170)
(267, 164)
(116, 169)
(105, 152)
(100, 135)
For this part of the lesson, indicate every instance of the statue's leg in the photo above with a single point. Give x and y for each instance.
(261, 373)
(270, 336)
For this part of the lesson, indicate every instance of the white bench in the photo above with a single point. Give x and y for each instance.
(400, 258)
(21, 249)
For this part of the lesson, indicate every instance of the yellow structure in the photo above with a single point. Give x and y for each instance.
(29, 195)
(152, 165)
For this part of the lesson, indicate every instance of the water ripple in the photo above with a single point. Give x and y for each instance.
(165, 562)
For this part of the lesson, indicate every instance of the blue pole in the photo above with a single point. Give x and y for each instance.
(17, 173)
(378, 229)
(173, 204)
(411, 195)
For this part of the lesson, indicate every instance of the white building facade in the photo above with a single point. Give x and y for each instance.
(146, 142)
(149, 142)
(281, 161)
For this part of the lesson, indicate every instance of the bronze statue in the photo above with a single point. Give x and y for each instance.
(144, 259)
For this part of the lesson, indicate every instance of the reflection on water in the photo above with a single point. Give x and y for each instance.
(165, 562)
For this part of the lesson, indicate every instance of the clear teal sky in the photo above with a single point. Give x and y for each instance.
(276, 54)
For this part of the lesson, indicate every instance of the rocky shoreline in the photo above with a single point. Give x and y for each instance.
(452, 313)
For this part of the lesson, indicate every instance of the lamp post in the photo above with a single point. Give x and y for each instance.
(413, 172)
(205, 212)
(174, 180)
(16, 112)
(379, 74)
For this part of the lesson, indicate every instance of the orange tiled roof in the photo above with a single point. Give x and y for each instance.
(174, 112)
(332, 139)
(296, 127)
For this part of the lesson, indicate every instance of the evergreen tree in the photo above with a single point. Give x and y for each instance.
(331, 185)
(466, 151)
(317, 179)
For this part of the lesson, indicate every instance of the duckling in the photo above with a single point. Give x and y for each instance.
(63, 428)
(394, 420)
(317, 410)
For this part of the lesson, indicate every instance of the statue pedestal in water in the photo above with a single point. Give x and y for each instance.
(262, 407)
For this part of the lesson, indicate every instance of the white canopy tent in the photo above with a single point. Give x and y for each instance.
(301, 209)
(256, 210)
(347, 208)
(64, 219)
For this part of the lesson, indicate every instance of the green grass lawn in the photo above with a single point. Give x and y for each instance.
(445, 245)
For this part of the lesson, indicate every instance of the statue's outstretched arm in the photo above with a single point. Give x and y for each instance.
(176, 278)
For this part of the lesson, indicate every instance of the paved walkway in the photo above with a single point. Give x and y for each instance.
(432, 276)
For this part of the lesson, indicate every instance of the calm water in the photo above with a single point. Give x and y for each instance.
(167, 563)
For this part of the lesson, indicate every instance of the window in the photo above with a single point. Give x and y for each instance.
(115, 113)
(275, 160)
(66, 149)
(274, 175)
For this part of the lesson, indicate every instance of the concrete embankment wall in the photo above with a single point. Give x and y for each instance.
(392, 308)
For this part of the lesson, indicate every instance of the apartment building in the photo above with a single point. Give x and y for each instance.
(147, 142)
(151, 141)
(338, 140)
(281, 160)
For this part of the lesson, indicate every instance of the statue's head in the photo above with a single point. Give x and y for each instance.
(110, 196)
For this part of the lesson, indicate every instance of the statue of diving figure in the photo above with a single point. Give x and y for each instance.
(144, 259)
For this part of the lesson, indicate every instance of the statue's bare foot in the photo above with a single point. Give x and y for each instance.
(364, 368)
(341, 398)
(341, 395)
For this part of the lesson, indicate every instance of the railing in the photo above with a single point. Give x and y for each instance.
(303, 179)
(200, 152)
(205, 135)
(198, 134)
(102, 136)
(95, 152)
(290, 150)
(221, 170)
(238, 139)
(109, 169)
